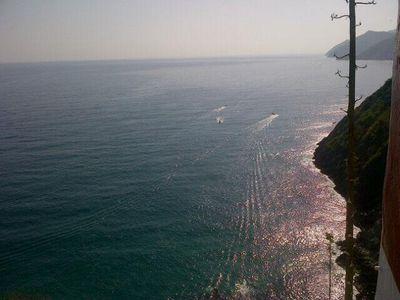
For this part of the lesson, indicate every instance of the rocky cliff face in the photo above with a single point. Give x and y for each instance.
(372, 128)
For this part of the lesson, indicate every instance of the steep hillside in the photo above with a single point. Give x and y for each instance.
(382, 51)
(370, 45)
(372, 126)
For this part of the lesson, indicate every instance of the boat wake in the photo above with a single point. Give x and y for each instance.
(264, 123)
(219, 109)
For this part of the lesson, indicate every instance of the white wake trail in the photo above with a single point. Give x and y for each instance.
(264, 123)
(219, 109)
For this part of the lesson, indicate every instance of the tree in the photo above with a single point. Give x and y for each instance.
(351, 142)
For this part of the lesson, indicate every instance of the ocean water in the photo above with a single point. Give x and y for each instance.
(170, 179)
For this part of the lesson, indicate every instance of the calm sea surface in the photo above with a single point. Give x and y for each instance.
(169, 179)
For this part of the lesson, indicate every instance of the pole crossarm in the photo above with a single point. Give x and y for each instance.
(341, 57)
(335, 16)
(339, 73)
(367, 3)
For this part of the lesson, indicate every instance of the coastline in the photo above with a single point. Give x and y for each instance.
(372, 120)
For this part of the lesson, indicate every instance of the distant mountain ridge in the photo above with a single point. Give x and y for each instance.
(372, 45)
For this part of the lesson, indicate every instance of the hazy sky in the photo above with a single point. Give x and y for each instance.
(48, 30)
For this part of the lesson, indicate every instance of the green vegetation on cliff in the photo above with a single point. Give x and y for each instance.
(372, 127)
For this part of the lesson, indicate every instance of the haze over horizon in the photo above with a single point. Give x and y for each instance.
(44, 30)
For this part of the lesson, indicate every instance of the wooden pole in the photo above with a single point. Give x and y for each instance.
(351, 156)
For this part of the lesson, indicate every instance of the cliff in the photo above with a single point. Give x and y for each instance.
(372, 127)
(372, 45)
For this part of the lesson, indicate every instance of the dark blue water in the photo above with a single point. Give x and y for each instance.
(117, 180)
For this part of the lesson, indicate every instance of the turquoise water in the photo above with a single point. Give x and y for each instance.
(169, 179)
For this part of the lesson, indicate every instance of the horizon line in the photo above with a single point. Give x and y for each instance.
(244, 56)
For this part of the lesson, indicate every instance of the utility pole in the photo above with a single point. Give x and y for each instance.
(351, 141)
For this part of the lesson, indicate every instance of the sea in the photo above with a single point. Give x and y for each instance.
(171, 179)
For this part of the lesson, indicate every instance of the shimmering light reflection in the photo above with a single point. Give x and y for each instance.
(117, 181)
(280, 249)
